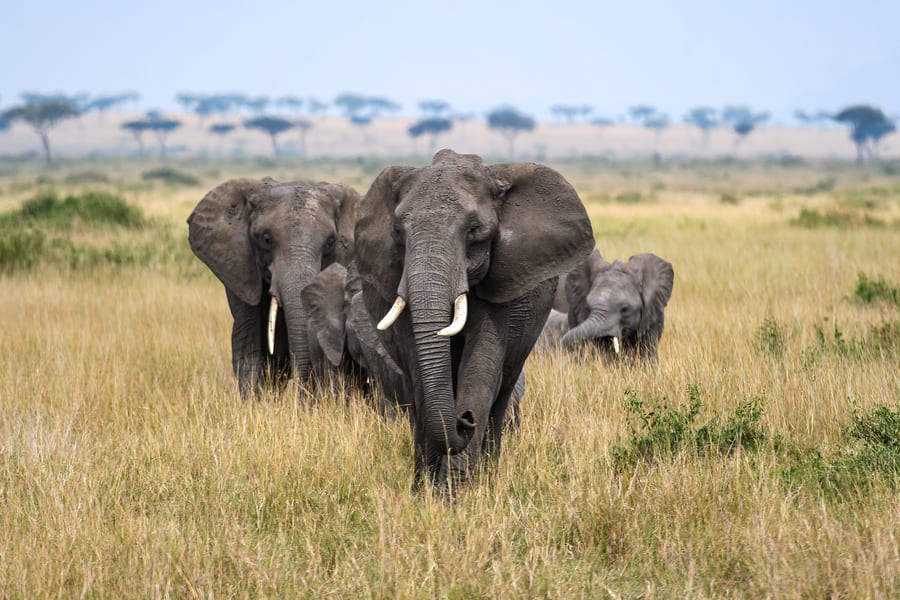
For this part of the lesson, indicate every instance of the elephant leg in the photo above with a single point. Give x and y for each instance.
(479, 379)
(247, 353)
(527, 316)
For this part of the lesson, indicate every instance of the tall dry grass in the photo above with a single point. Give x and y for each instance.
(129, 467)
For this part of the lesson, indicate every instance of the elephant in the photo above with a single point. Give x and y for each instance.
(458, 263)
(619, 307)
(266, 241)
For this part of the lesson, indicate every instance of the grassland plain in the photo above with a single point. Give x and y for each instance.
(759, 458)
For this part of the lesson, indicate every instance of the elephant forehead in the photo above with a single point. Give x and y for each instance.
(613, 282)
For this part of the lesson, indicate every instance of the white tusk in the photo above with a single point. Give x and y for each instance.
(616, 344)
(391, 316)
(460, 312)
(273, 313)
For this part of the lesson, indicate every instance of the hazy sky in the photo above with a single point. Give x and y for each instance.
(477, 55)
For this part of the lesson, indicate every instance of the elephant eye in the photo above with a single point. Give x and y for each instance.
(265, 239)
(329, 243)
(397, 232)
(476, 233)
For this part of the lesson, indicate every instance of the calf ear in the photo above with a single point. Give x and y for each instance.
(219, 234)
(656, 278)
(346, 208)
(544, 231)
(324, 298)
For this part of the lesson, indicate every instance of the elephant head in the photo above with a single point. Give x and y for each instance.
(621, 304)
(268, 240)
(435, 241)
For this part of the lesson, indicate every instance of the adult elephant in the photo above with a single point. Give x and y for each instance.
(458, 262)
(619, 307)
(266, 241)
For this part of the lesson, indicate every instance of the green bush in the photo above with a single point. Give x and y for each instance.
(871, 290)
(868, 454)
(771, 337)
(90, 208)
(22, 249)
(665, 432)
(170, 176)
(811, 218)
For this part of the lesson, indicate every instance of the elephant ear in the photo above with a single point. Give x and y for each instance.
(579, 281)
(656, 278)
(544, 231)
(324, 298)
(219, 233)
(378, 258)
(346, 208)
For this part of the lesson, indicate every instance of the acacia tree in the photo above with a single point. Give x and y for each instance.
(432, 127)
(868, 125)
(271, 125)
(101, 104)
(290, 102)
(743, 121)
(137, 129)
(570, 112)
(434, 107)
(161, 128)
(509, 122)
(704, 119)
(42, 116)
(303, 126)
(220, 130)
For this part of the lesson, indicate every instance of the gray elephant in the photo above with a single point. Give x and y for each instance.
(458, 263)
(619, 307)
(266, 241)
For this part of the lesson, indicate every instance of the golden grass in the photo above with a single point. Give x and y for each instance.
(129, 467)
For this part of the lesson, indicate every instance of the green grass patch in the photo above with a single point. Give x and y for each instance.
(868, 455)
(170, 176)
(811, 218)
(660, 432)
(771, 337)
(876, 290)
(93, 209)
(45, 230)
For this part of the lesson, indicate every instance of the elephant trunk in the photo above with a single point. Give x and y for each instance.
(594, 327)
(431, 302)
(296, 316)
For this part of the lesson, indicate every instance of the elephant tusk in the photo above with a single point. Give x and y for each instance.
(460, 312)
(616, 344)
(273, 313)
(391, 316)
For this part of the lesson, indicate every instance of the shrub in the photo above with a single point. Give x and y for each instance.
(871, 290)
(83, 177)
(170, 176)
(771, 337)
(21, 249)
(90, 208)
(868, 454)
(729, 198)
(811, 218)
(664, 432)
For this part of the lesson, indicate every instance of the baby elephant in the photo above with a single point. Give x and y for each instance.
(619, 307)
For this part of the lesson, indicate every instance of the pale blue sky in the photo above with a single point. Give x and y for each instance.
(477, 55)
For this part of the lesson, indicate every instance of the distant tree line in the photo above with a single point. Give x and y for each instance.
(868, 124)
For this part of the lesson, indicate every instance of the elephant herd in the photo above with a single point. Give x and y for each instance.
(435, 286)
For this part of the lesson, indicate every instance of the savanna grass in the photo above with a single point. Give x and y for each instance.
(129, 466)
